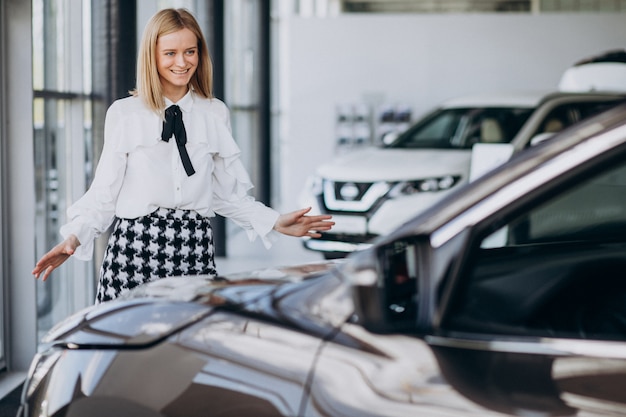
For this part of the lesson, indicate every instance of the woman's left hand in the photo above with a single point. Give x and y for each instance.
(297, 223)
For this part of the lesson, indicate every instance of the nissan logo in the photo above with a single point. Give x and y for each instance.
(349, 191)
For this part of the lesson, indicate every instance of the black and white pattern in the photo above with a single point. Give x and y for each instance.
(165, 243)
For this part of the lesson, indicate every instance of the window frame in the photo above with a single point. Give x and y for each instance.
(63, 99)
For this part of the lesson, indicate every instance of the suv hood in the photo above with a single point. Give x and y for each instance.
(386, 164)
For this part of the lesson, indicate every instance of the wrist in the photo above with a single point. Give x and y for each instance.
(73, 241)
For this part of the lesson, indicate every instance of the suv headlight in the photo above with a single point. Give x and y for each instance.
(424, 185)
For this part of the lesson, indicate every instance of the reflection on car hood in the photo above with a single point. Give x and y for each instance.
(384, 164)
(237, 289)
(154, 311)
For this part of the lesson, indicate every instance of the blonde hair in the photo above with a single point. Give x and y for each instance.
(164, 22)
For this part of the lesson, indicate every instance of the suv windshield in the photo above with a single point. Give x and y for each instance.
(460, 128)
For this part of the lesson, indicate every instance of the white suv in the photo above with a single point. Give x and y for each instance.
(374, 190)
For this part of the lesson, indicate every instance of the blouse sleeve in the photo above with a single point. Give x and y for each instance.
(93, 213)
(231, 184)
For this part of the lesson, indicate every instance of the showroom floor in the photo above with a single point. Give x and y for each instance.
(243, 255)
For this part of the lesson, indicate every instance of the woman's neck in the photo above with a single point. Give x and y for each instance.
(175, 95)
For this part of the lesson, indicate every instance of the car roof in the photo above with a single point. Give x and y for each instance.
(498, 99)
(529, 99)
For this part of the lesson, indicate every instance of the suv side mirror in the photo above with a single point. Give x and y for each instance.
(390, 137)
(368, 297)
(537, 139)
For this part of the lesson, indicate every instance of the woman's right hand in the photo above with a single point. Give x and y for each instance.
(55, 257)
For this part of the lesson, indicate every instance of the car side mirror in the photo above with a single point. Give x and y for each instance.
(390, 137)
(385, 294)
(368, 298)
(537, 139)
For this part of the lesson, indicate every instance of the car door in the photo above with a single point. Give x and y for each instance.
(535, 321)
(392, 373)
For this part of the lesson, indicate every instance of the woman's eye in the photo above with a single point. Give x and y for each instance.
(191, 52)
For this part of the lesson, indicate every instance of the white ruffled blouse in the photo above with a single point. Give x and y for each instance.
(138, 172)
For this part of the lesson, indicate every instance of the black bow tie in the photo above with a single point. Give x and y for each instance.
(173, 124)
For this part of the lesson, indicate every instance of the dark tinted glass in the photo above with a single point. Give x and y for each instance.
(460, 128)
(556, 270)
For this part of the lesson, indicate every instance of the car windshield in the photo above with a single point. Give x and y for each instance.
(460, 128)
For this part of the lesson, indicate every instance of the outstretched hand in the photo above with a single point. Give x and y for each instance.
(55, 257)
(297, 223)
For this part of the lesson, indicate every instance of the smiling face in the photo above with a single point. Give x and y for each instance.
(177, 61)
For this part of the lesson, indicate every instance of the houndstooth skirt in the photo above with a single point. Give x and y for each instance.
(164, 243)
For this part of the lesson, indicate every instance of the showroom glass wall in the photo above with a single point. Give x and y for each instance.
(62, 141)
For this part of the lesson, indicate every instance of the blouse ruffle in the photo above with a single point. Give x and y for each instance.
(131, 127)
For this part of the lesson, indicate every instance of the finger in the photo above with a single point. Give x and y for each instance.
(37, 272)
(302, 212)
(44, 261)
(323, 221)
(320, 219)
(47, 273)
(41, 262)
(323, 228)
(321, 225)
(318, 228)
(39, 268)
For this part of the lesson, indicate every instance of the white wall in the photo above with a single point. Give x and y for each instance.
(419, 60)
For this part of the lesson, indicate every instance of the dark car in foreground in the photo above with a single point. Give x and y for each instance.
(508, 297)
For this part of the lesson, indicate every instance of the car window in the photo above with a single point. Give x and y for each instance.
(460, 128)
(594, 210)
(566, 115)
(556, 270)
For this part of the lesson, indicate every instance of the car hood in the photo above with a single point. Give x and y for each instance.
(387, 164)
(156, 310)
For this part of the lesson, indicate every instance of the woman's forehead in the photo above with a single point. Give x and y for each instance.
(182, 38)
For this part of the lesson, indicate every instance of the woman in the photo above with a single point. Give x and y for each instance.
(160, 193)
